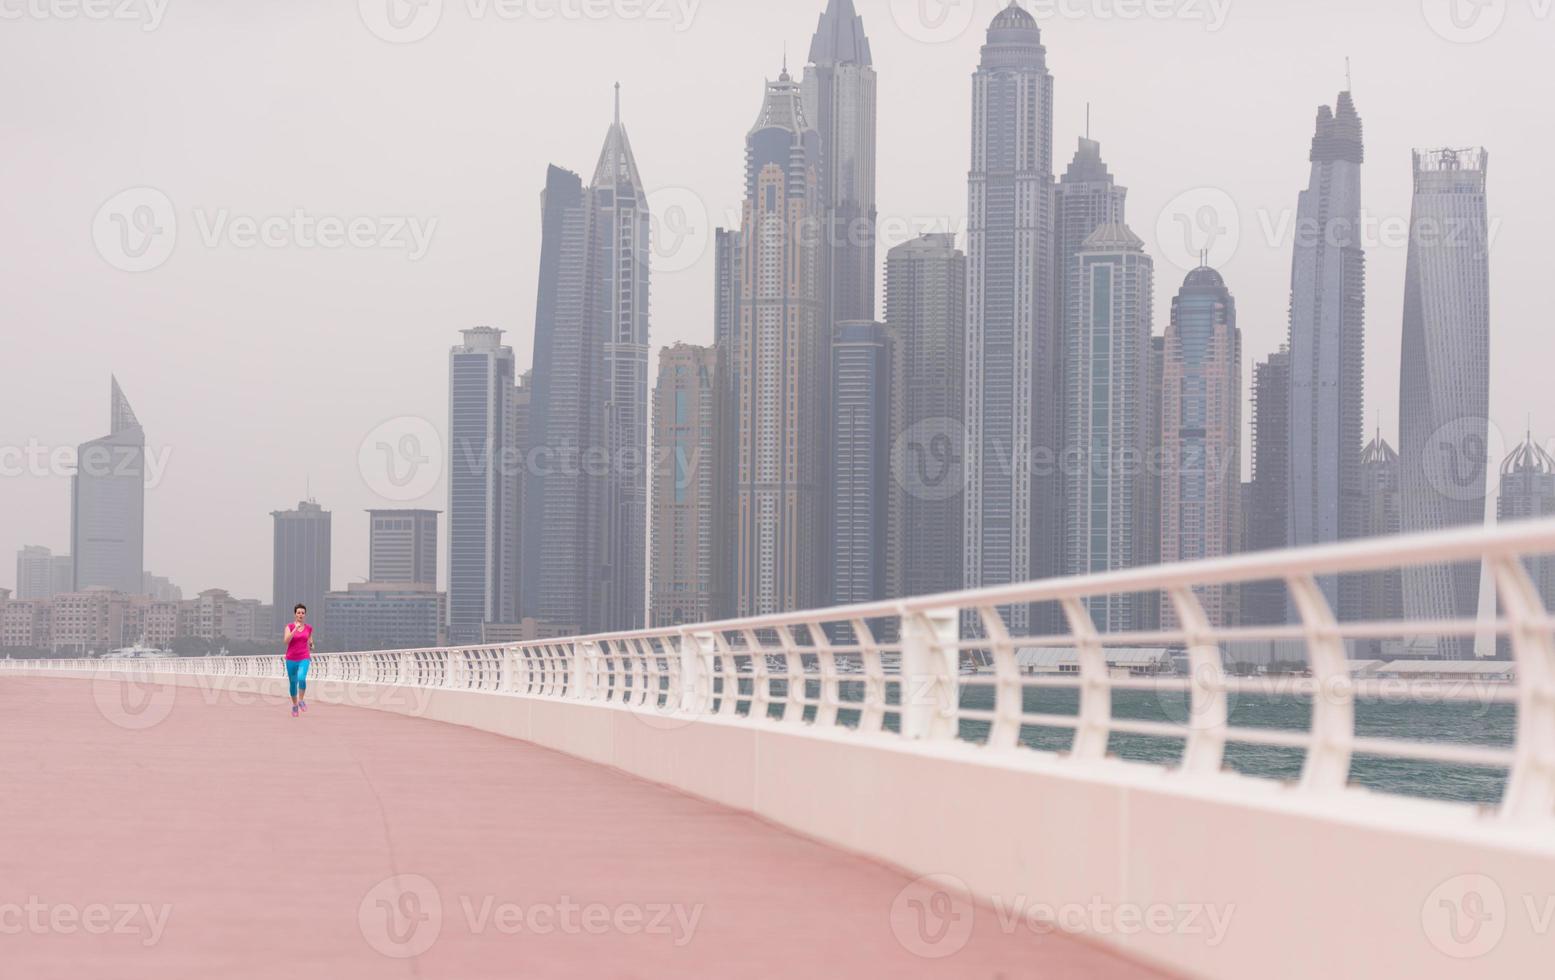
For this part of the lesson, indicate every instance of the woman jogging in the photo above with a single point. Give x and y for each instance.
(299, 656)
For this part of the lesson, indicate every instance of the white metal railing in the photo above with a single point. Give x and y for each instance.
(897, 667)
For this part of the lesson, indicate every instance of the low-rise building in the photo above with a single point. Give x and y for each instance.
(380, 616)
(1122, 661)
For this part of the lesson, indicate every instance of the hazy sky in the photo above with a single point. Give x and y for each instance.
(259, 362)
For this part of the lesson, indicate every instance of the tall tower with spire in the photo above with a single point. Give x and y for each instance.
(1328, 343)
(585, 524)
(1012, 513)
(108, 504)
(839, 95)
(1085, 199)
(623, 223)
(777, 364)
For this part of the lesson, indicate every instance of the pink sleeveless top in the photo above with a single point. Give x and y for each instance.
(297, 649)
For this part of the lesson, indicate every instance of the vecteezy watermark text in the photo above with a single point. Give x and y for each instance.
(408, 21)
(39, 918)
(97, 461)
(404, 916)
(1467, 916)
(137, 230)
(934, 917)
(147, 13)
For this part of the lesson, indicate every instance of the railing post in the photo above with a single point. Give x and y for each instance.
(1530, 790)
(831, 684)
(1009, 693)
(1208, 714)
(695, 691)
(1093, 728)
(1333, 697)
(793, 664)
(580, 685)
(930, 674)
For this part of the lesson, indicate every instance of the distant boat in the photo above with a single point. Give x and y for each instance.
(137, 652)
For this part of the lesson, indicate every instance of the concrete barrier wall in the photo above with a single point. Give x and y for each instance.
(1221, 877)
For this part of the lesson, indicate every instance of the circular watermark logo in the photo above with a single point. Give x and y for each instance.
(933, 21)
(131, 699)
(933, 916)
(681, 228)
(1465, 917)
(136, 230)
(401, 917)
(1458, 456)
(1199, 226)
(928, 461)
(1464, 21)
(401, 21)
(402, 459)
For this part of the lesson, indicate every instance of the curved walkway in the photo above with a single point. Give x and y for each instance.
(218, 837)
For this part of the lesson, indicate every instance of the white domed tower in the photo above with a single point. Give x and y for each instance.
(1528, 493)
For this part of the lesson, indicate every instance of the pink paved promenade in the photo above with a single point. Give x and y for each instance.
(228, 840)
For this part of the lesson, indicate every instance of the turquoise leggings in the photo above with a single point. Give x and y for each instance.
(297, 675)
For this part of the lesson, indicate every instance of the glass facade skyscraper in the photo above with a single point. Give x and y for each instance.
(1328, 342)
(480, 387)
(1444, 384)
(926, 313)
(1108, 373)
(108, 504)
(1011, 507)
(862, 489)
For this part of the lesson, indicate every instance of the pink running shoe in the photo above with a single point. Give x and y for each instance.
(294, 711)
(304, 706)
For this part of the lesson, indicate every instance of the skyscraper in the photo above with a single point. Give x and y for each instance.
(303, 547)
(839, 95)
(34, 573)
(1381, 593)
(685, 404)
(1108, 372)
(585, 503)
(1265, 603)
(623, 224)
(402, 547)
(1085, 199)
(1444, 387)
(728, 286)
(1201, 434)
(778, 364)
(510, 602)
(1150, 483)
(108, 504)
(926, 313)
(861, 486)
(1011, 513)
(480, 391)
(1528, 493)
(1328, 340)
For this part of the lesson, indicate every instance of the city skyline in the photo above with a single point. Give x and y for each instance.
(343, 490)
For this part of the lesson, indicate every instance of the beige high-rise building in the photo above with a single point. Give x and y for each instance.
(684, 465)
(778, 365)
(1201, 435)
